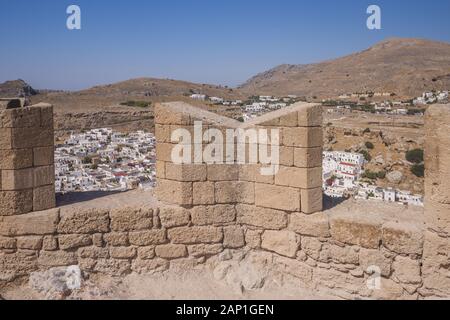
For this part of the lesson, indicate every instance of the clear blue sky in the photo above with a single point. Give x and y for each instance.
(207, 41)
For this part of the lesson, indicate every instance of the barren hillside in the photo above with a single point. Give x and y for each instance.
(407, 67)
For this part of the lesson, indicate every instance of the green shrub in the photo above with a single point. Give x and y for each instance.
(369, 145)
(132, 103)
(414, 156)
(381, 174)
(366, 155)
(418, 170)
(369, 175)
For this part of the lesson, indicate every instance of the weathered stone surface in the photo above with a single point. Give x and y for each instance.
(146, 238)
(8, 243)
(93, 253)
(43, 156)
(97, 240)
(57, 258)
(43, 176)
(122, 252)
(403, 238)
(343, 255)
(146, 253)
(175, 192)
(16, 202)
(21, 117)
(315, 225)
(171, 251)
(234, 192)
(302, 137)
(407, 270)
(150, 266)
(277, 197)
(261, 217)
(17, 264)
(308, 157)
(16, 159)
(129, 219)
(202, 250)
(286, 156)
(113, 267)
(305, 178)
(185, 172)
(311, 247)
(36, 223)
(284, 243)
(84, 222)
(30, 242)
(253, 238)
(50, 243)
(193, 235)
(223, 172)
(173, 216)
(375, 258)
(295, 268)
(218, 214)
(203, 193)
(116, 239)
(17, 179)
(44, 198)
(311, 200)
(363, 230)
(73, 241)
(311, 116)
(233, 237)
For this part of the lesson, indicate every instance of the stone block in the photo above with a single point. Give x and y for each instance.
(285, 243)
(16, 202)
(406, 270)
(369, 258)
(308, 157)
(131, 219)
(36, 223)
(165, 116)
(357, 229)
(122, 252)
(163, 133)
(57, 258)
(84, 222)
(44, 198)
(261, 217)
(164, 152)
(173, 216)
(218, 214)
(21, 118)
(234, 192)
(174, 192)
(194, 235)
(253, 238)
(8, 243)
(204, 250)
(43, 156)
(93, 253)
(223, 172)
(295, 268)
(16, 159)
(286, 156)
(113, 267)
(277, 197)
(44, 175)
(50, 243)
(315, 225)
(46, 115)
(160, 169)
(145, 253)
(149, 266)
(74, 241)
(171, 251)
(185, 172)
(146, 238)
(302, 137)
(116, 239)
(289, 120)
(29, 242)
(233, 237)
(311, 200)
(305, 178)
(5, 138)
(17, 179)
(203, 193)
(311, 116)
(403, 238)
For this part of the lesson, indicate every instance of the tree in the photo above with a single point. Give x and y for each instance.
(418, 170)
(366, 155)
(369, 145)
(415, 156)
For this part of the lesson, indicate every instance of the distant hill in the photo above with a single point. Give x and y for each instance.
(16, 88)
(407, 67)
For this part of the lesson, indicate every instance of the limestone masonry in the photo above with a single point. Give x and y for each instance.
(201, 210)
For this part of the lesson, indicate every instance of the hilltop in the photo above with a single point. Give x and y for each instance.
(407, 67)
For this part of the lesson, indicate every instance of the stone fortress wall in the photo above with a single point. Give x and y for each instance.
(202, 209)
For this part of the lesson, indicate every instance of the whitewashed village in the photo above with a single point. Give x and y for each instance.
(104, 160)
